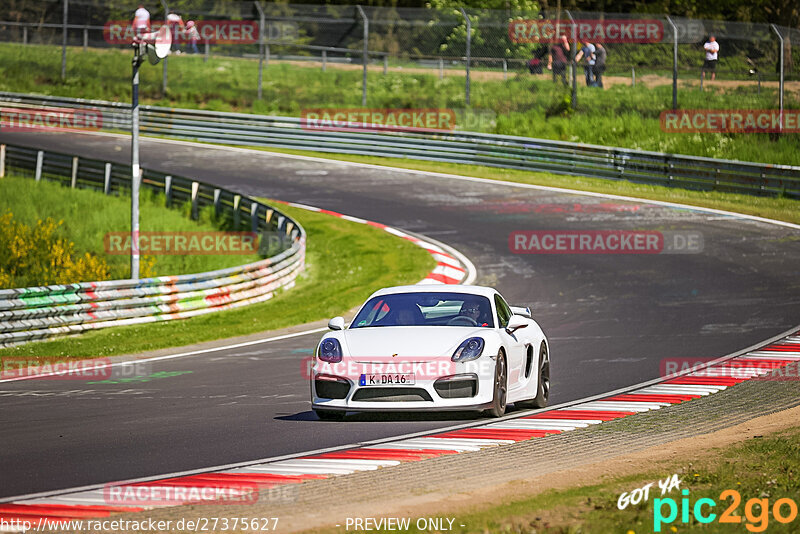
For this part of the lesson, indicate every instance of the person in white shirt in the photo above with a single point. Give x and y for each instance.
(712, 55)
(141, 20)
(175, 23)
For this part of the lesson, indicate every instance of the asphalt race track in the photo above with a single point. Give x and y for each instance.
(611, 318)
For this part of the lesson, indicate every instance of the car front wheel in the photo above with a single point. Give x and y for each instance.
(498, 407)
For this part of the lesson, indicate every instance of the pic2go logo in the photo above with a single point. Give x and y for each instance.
(756, 511)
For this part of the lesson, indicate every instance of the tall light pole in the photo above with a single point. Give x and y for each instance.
(155, 46)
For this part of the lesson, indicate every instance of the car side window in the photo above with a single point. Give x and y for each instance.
(503, 311)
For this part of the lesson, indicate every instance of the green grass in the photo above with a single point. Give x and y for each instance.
(764, 468)
(524, 105)
(89, 215)
(345, 262)
(782, 209)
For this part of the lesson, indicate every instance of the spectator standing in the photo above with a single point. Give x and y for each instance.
(141, 20)
(599, 64)
(535, 63)
(557, 59)
(192, 36)
(712, 55)
(587, 54)
(175, 23)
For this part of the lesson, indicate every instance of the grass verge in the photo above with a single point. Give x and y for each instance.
(87, 216)
(345, 262)
(782, 209)
(761, 468)
(522, 105)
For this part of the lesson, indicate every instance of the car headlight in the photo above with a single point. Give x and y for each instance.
(469, 349)
(330, 350)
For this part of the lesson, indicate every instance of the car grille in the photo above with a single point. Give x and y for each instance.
(457, 387)
(392, 395)
(332, 389)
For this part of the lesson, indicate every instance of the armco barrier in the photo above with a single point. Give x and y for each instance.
(454, 147)
(33, 313)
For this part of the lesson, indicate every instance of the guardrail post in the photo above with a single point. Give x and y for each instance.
(505, 70)
(85, 38)
(39, 160)
(441, 68)
(2, 161)
(24, 35)
(195, 189)
(74, 178)
(365, 55)
(324, 60)
(107, 179)
(217, 192)
(268, 215)
(168, 190)
(468, 54)
(236, 215)
(253, 217)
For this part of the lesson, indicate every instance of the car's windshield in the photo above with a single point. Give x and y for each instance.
(425, 309)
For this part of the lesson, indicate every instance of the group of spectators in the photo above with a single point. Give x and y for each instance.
(592, 56)
(187, 32)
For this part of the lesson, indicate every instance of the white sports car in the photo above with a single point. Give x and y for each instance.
(431, 347)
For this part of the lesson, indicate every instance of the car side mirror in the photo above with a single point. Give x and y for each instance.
(515, 323)
(337, 323)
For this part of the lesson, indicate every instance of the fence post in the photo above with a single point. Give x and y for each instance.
(2, 161)
(324, 60)
(266, 55)
(24, 35)
(759, 82)
(365, 57)
(85, 38)
(168, 190)
(573, 52)
(441, 68)
(195, 190)
(260, 46)
(107, 179)
(780, 38)
(74, 178)
(468, 53)
(64, 41)
(39, 161)
(674, 64)
(505, 70)
(164, 69)
(385, 64)
(633, 76)
(205, 56)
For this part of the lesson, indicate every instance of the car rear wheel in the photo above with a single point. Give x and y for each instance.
(330, 415)
(500, 387)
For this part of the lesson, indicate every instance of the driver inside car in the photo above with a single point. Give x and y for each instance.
(473, 311)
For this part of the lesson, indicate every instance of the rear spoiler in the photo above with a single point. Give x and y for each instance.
(520, 310)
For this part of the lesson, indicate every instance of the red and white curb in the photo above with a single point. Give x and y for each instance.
(718, 375)
(452, 267)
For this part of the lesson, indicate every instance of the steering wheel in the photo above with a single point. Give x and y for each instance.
(462, 320)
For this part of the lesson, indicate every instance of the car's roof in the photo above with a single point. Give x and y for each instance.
(437, 288)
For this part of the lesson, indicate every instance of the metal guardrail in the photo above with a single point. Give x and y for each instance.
(493, 150)
(33, 313)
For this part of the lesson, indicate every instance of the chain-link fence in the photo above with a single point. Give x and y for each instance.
(456, 58)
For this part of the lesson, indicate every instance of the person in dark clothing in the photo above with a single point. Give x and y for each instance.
(535, 63)
(557, 59)
(599, 64)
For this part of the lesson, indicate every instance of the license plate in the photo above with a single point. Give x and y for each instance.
(386, 379)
